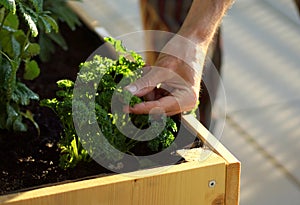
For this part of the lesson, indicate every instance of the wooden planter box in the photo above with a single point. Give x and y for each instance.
(214, 181)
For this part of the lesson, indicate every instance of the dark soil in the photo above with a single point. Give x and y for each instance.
(29, 160)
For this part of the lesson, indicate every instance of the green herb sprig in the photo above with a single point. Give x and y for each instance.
(126, 68)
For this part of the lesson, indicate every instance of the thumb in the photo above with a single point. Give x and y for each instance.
(145, 84)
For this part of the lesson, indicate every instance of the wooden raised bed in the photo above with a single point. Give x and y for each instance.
(215, 180)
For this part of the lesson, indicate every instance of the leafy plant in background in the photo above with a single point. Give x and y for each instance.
(21, 21)
(112, 71)
(60, 12)
(17, 50)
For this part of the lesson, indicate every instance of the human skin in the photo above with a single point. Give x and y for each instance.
(178, 68)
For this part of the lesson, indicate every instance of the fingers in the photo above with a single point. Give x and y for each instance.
(170, 105)
(167, 105)
(157, 93)
(177, 93)
(147, 83)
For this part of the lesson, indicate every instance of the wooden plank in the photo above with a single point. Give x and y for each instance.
(233, 167)
(209, 139)
(186, 183)
(232, 193)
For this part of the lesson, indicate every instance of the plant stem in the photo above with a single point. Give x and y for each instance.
(132, 141)
(29, 116)
(10, 81)
(5, 56)
(25, 43)
(14, 67)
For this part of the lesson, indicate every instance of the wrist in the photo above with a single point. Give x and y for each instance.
(187, 50)
(200, 39)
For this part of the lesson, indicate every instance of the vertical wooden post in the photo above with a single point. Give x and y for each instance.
(233, 166)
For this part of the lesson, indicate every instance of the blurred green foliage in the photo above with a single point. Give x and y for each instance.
(28, 28)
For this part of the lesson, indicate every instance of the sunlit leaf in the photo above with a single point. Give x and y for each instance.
(30, 18)
(9, 5)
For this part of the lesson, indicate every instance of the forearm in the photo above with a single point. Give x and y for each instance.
(203, 20)
(179, 66)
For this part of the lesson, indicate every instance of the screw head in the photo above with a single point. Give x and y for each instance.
(212, 183)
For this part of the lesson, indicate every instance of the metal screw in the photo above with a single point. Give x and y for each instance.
(212, 183)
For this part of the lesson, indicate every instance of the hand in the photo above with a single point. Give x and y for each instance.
(172, 85)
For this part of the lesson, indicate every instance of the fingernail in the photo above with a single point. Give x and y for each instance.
(131, 88)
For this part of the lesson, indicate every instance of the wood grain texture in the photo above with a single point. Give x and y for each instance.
(233, 166)
(186, 183)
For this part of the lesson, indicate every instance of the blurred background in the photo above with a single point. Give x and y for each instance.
(261, 75)
(261, 78)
